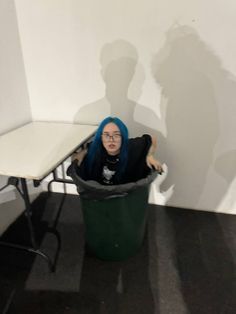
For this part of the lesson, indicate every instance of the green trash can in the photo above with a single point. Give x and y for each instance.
(115, 216)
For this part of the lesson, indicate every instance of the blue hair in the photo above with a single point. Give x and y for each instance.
(97, 146)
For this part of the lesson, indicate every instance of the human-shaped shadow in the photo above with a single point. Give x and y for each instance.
(190, 111)
(119, 62)
(201, 244)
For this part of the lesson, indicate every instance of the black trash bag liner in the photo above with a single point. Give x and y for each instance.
(90, 189)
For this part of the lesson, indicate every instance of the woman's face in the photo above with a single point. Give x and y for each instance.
(111, 139)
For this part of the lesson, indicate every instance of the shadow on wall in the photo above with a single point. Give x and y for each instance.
(224, 166)
(120, 68)
(191, 78)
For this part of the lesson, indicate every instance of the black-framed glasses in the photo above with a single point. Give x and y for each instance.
(116, 137)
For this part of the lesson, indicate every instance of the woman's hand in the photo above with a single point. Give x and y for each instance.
(79, 156)
(154, 163)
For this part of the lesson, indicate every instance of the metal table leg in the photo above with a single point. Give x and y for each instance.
(35, 248)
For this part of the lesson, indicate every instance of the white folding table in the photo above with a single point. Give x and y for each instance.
(33, 151)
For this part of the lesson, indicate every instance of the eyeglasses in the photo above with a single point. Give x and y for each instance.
(114, 137)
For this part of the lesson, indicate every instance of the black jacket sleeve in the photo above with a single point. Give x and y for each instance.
(137, 152)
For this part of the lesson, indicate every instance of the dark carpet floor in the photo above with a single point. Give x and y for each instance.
(186, 265)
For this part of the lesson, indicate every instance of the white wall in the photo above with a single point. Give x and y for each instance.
(14, 99)
(164, 67)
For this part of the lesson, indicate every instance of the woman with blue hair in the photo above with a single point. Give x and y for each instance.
(113, 158)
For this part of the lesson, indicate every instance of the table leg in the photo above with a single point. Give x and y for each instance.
(58, 180)
(35, 248)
